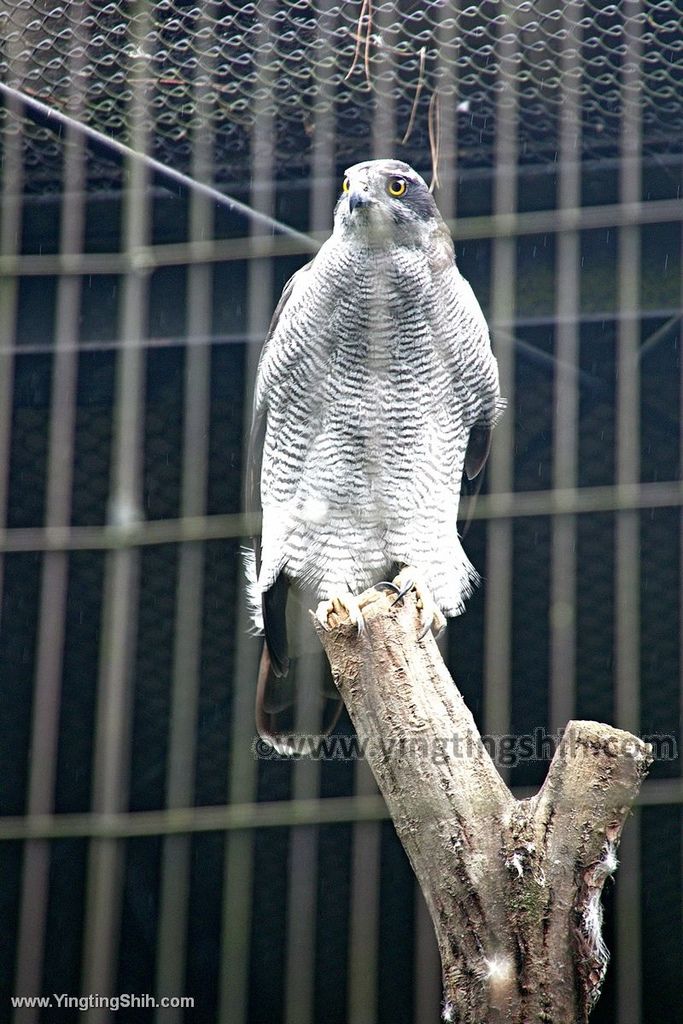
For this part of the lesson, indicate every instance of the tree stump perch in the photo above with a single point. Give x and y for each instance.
(513, 886)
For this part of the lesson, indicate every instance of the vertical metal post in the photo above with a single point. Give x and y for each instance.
(679, 809)
(52, 618)
(119, 613)
(627, 581)
(239, 858)
(11, 210)
(498, 589)
(565, 429)
(180, 777)
(303, 862)
(365, 873)
(428, 985)
(445, 95)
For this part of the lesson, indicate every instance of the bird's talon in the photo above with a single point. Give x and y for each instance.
(422, 633)
(338, 610)
(430, 614)
(437, 625)
(403, 585)
(385, 585)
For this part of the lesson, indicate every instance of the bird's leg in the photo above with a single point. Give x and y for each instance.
(430, 614)
(343, 606)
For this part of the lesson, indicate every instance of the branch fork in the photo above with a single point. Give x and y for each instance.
(513, 886)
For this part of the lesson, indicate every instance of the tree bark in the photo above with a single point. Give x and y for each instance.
(513, 886)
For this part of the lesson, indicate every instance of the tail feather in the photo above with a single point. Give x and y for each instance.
(275, 703)
(275, 624)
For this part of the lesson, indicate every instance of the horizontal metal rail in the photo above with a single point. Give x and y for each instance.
(507, 225)
(238, 817)
(672, 315)
(569, 501)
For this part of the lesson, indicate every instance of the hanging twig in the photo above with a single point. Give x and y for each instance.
(363, 41)
(434, 123)
(418, 92)
(368, 38)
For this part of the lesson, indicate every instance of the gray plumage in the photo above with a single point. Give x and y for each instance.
(375, 390)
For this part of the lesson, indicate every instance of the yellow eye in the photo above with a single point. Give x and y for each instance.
(396, 187)
(346, 185)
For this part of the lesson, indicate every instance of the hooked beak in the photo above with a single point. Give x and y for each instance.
(358, 198)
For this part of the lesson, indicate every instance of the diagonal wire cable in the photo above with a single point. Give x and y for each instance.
(42, 114)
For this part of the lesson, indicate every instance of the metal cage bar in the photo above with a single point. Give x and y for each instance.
(121, 586)
(565, 427)
(365, 864)
(444, 121)
(180, 773)
(27, 970)
(302, 887)
(627, 538)
(11, 214)
(238, 876)
(52, 615)
(509, 224)
(495, 506)
(498, 598)
(680, 570)
(481, 226)
(245, 817)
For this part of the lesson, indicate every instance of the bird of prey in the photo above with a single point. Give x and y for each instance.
(376, 390)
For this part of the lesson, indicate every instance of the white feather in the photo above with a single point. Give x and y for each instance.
(590, 908)
(253, 590)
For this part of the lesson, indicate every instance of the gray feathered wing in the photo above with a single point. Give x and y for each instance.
(277, 676)
(274, 601)
(479, 373)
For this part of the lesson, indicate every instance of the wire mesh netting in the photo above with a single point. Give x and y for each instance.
(142, 847)
(220, 66)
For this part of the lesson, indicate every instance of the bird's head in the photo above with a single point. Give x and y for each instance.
(383, 200)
